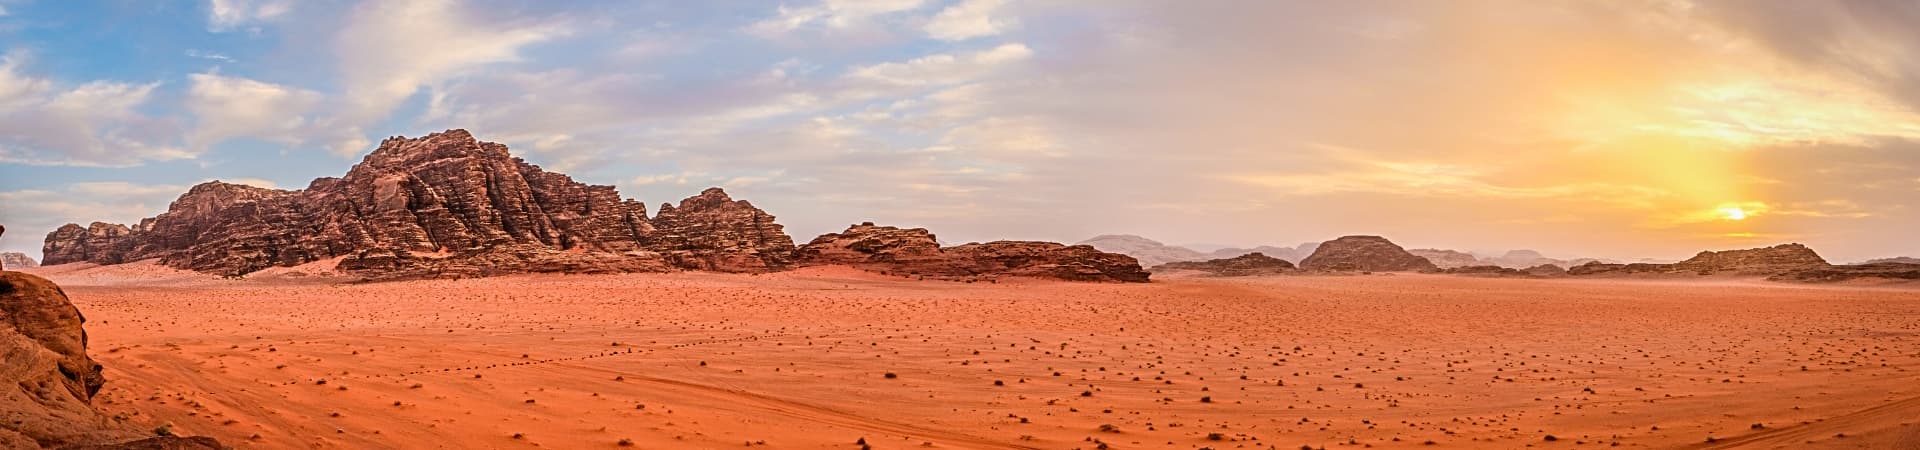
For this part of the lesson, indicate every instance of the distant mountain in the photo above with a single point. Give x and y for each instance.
(1149, 252)
(1292, 255)
(1897, 260)
(1447, 259)
(1364, 253)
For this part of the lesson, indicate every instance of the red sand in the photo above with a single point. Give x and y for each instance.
(800, 360)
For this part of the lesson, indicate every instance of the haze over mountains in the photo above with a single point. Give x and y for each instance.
(1152, 253)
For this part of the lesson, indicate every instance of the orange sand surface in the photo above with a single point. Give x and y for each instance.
(822, 358)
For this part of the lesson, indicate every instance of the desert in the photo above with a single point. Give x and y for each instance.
(959, 224)
(828, 357)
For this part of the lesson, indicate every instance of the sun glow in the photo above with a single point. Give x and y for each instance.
(1734, 213)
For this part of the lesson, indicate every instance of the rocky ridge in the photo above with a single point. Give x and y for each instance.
(1251, 264)
(447, 205)
(1364, 253)
(916, 252)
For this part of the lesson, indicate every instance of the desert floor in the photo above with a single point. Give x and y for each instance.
(822, 358)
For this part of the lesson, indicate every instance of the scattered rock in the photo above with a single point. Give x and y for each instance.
(43, 350)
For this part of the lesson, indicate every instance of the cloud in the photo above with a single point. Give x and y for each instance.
(226, 107)
(91, 124)
(192, 53)
(390, 50)
(941, 69)
(225, 15)
(969, 19)
(830, 15)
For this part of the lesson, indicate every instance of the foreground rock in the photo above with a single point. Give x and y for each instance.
(1364, 253)
(444, 205)
(49, 379)
(1149, 252)
(1251, 264)
(916, 252)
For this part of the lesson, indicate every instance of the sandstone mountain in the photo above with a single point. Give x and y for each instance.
(17, 260)
(1149, 252)
(441, 205)
(1447, 259)
(1250, 264)
(447, 206)
(1364, 253)
(1896, 260)
(49, 379)
(1290, 254)
(1780, 261)
(916, 252)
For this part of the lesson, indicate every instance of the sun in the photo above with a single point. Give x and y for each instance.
(1733, 213)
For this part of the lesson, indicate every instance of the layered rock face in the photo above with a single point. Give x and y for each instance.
(1250, 264)
(1364, 253)
(1447, 259)
(49, 379)
(17, 260)
(712, 231)
(99, 243)
(1149, 252)
(1758, 261)
(443, 205)
(916, 252)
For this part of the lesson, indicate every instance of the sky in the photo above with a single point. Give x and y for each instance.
(1619, 129)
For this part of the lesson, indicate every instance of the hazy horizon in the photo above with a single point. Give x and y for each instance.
(1623, 130)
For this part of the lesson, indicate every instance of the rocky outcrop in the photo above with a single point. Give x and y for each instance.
(17, 260)
(714, 232)
(1149, 252)
(1785, 261)
(1482, 270)
(100, 243)
(1364, 253)
(1869, 271)
(49, 379)
(443, 205)
(916, 252)
(1545, 270)
(1773, 260)
(1447, 259)
(1251, 264)
(1290, 254)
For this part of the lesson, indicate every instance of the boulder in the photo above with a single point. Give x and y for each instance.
(50, 379)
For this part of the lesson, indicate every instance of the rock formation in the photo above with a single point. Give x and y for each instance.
(49, 379)
(1757, 261)
(1545, 270)
(711, 231)
(1897, 260)
(1364, 253)
(1785, 261)
(17, 260)
(1149, 252)
(1250, 264)
(1293, 254)
(443, 205)
(916, 252)
(1447, 259)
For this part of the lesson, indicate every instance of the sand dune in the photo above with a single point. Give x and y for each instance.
(827, 357)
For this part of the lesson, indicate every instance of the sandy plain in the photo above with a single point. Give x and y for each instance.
(830, 357)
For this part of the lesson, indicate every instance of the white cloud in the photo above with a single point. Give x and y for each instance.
(942, 69)
(389, 50)
(92, 124)
(225, 107)
(831, 15)
(969, 19)
(192, 53)
(224, 15)
(31, 214)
